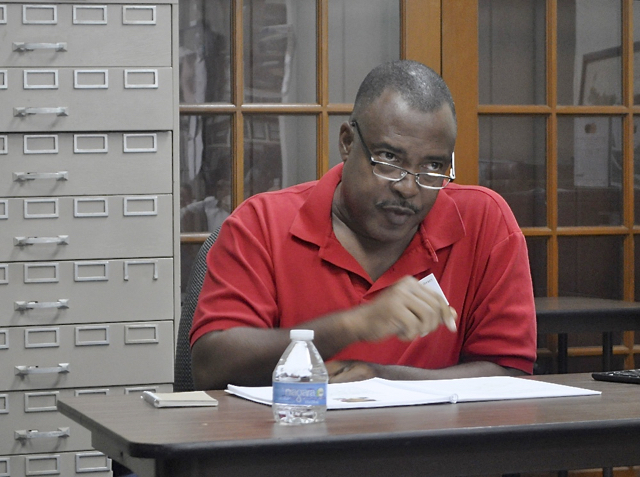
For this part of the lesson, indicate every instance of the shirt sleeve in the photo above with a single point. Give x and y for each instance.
(238, 288)
(502, 325)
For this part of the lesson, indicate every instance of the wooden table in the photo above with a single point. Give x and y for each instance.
(240, 438)
(564, 315)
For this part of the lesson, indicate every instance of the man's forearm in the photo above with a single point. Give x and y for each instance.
(242, 356)
(463, 370)
(247, 356)
(358, 370)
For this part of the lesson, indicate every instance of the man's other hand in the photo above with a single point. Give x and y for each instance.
(347, 371)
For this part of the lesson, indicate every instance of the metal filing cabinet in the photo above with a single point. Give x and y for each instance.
(89, 238)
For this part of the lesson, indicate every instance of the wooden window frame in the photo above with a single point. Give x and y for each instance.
(420, 40)
(460, 69)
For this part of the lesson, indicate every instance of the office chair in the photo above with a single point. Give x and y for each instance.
(183, 379)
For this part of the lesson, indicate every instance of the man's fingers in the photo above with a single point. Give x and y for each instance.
(450, 320)
(335, 368)
(437, 307)
(408, 311)
(426, 312)
(356, 371)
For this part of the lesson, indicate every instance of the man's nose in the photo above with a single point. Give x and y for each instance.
(407, 186)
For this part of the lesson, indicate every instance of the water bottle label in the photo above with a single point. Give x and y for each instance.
(300, 394)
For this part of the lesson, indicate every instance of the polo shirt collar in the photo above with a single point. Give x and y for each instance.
(313, 221)
(443, 225)
(441, 228)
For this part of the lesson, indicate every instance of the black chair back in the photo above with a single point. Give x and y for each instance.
(183, 378)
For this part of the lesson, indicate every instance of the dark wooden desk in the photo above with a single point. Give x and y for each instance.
(563, 315)
(239, 438)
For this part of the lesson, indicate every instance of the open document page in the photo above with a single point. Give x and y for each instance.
(377, 392)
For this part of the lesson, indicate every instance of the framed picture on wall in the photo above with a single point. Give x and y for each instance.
(601, 81)
(597, 139)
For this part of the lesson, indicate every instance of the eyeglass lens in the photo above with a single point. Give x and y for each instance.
(396, 173)
(388, 171)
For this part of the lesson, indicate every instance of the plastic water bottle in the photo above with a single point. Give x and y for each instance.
(300, 382)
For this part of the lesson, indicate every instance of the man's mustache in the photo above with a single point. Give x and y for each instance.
(401, 204)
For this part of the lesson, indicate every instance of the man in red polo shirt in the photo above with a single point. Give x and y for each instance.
(344, 255)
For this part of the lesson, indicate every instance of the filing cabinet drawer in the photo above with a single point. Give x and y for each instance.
(80, 464)
(30, 422)
(86, 99)
(85, 163)
(47, 293)
(67, 356)
(68, 35)
(66, 228)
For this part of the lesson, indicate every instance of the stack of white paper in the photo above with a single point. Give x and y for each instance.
(377, 392)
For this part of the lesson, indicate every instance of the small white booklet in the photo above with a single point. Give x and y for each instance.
(182, 399)
(377, 392)
(430, 282)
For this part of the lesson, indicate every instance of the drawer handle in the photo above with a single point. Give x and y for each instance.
(59, 240)
(32, 176)
(22, 112)
(22, 46)
(62, 368)
(61, 304)
(23, 435)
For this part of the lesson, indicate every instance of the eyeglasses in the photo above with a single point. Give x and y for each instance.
(391, 172)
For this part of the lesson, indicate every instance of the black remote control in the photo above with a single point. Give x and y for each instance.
(625, 376)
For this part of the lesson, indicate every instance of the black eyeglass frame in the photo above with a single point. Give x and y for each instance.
(449, 178)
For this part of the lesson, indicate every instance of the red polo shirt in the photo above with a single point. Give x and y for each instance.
(277, 263)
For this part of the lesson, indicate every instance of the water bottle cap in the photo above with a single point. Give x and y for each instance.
(301, 335)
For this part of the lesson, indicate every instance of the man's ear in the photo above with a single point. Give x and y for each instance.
(345, 139)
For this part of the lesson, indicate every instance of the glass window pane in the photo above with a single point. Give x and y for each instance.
(589, 62)
(205, 51)
(362, 34)
(636, 53)
(280, 151)
(537, 247)
(587, 364)
(636, 241)
(279, 51)
(636, 169)
(335, 121)
(590, 266)
(589, 170)
(205, 172)
(513, 163)
(512, 51)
